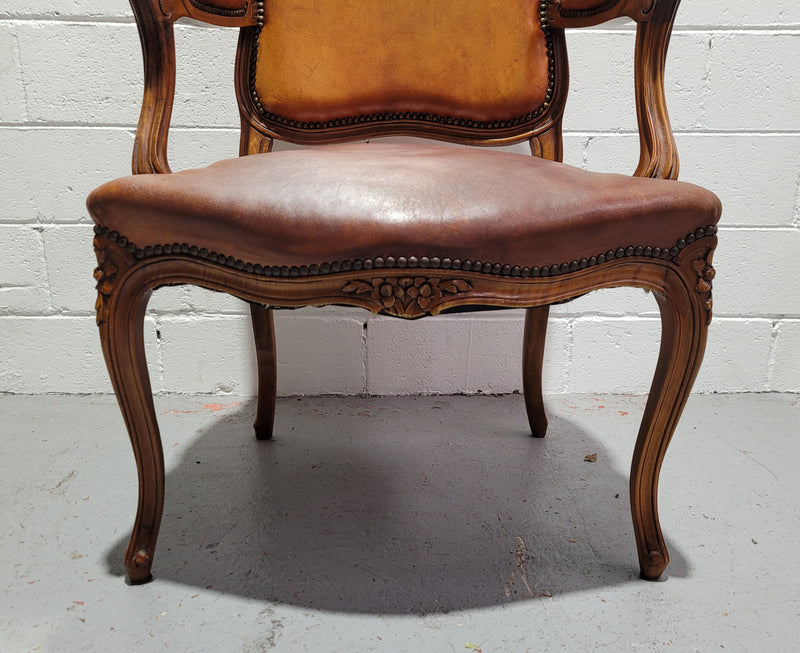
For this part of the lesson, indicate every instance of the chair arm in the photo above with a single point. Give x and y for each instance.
(155, 19)
(658, 154)
(573, 13)
(226, 13)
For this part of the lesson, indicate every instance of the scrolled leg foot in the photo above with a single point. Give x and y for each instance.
(138, 567)
(656, 565)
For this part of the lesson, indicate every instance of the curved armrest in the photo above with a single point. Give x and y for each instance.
(658, 153)
(155, 19)
(586, 13)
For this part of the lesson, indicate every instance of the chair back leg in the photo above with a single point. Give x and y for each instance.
(532, 359)
(264, 334)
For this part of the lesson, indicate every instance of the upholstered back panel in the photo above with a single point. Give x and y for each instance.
(482, 65)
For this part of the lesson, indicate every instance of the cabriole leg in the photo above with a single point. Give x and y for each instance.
(120, 317)
(685, 305)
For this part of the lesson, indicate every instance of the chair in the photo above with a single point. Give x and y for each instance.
(407, 230)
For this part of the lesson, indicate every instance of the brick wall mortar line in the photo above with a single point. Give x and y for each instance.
(364, 357)
(566, 377)
(39, 229)
(706, 88)
(599, 319)
(14, 19)
(22, 78)
(773, 353)
(228, 129)
(629, 28)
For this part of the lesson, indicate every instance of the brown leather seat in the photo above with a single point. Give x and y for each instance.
(333, 208)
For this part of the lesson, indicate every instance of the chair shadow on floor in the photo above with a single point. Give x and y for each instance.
(394, 506)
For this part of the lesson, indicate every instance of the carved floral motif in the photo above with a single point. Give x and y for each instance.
(406, 296)
(705, 275)
(104, 273)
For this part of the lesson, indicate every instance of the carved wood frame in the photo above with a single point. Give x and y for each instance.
(681, 285)
(680, 277)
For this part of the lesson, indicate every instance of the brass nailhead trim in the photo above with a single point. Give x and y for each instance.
(446, 263)
(407, 115)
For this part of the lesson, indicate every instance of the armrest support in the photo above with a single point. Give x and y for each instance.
(155, 20)
(226, 13)
(658, 153)
(158, 52)
(586, 13)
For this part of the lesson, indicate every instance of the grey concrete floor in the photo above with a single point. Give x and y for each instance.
(400, 524)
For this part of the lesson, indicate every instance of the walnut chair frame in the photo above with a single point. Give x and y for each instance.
(679, 275)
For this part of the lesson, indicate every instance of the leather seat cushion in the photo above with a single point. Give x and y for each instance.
(365, 200)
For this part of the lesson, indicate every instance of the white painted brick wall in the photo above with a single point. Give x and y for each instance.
(70, 83)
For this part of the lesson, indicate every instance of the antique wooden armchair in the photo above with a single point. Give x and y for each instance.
(403, 229)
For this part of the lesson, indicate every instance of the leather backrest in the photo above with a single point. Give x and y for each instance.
(474, 67)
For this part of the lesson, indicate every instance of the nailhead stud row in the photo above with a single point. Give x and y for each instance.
(381, 262)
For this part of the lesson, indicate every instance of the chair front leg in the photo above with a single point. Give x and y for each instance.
(685, 304)
(264, 333)
(532, 359)
(121, 308)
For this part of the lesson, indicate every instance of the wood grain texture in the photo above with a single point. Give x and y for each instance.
(585, 13)
(158, 52)
(226, 13)
(121, 311)
(262, 320)
(658, 152)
